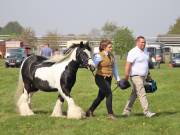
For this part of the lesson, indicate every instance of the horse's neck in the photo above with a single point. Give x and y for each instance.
(70, 57)
(72, 66)
(70, 63)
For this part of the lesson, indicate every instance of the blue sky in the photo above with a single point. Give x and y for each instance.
(143, 17)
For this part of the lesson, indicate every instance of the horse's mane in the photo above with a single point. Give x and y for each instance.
(77, 45)
(59, 58)
(66, 54)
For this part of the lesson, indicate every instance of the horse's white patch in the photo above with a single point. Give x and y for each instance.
(51, 74)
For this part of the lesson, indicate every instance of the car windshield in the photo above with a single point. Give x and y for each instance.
(158, 52)
(15, 54)
(14, 50)
(151, 51)
(178, 56)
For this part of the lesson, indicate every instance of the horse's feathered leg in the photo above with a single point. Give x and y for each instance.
(57, 111)
(23, 104)
(74, 111)
(24, 100)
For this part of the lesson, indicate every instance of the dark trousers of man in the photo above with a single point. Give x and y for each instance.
(104, 84)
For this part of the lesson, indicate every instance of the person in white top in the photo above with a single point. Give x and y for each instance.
(137, 69)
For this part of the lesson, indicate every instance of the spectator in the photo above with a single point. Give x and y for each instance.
(158, 61)
(46, 51)
(56, 52)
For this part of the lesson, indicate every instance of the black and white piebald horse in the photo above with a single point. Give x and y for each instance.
(54, 74)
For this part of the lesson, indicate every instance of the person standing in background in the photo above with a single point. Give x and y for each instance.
(56, 52)
(46, 51)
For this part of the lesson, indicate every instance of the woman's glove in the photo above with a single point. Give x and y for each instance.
(123, 84)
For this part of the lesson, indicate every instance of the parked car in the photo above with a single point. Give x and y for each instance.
(176, 61)
(14, 60)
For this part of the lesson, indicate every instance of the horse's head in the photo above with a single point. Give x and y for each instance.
(83, 56)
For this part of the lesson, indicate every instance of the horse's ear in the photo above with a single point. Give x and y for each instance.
(81, 44)
(88, 46)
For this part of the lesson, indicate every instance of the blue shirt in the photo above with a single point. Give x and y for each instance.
(46, 52)
(97, 58)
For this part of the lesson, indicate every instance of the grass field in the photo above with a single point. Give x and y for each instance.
(165, 102)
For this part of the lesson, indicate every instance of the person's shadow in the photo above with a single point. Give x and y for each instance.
(157, 114)
(166, 113)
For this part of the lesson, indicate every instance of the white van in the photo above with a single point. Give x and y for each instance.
(155, 50)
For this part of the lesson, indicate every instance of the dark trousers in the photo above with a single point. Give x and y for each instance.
(104, 84)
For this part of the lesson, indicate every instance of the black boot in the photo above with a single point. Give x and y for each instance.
(89, 113)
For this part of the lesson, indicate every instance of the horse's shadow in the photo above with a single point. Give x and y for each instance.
(166, 113)
(45, 112)
(42, 112)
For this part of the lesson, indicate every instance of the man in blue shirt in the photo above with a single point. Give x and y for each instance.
(46, 51)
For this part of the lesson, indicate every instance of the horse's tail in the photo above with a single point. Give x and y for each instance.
(19, 89)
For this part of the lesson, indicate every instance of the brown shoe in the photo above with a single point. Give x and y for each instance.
(111, 116)
(89, 114)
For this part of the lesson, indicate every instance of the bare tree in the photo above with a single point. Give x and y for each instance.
(28, 37)
(109, 29)
(94, 33)
(52, 38)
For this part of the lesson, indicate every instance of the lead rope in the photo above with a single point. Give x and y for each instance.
(115, 88)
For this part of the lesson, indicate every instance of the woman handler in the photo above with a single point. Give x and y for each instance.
(106, 68)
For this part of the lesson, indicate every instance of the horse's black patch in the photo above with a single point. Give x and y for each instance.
(68, 77)
(43, 85)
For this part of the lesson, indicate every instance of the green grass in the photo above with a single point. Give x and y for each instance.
(165, 102)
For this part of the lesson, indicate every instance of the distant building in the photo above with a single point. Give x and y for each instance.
(171, 45)
(170, 41)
